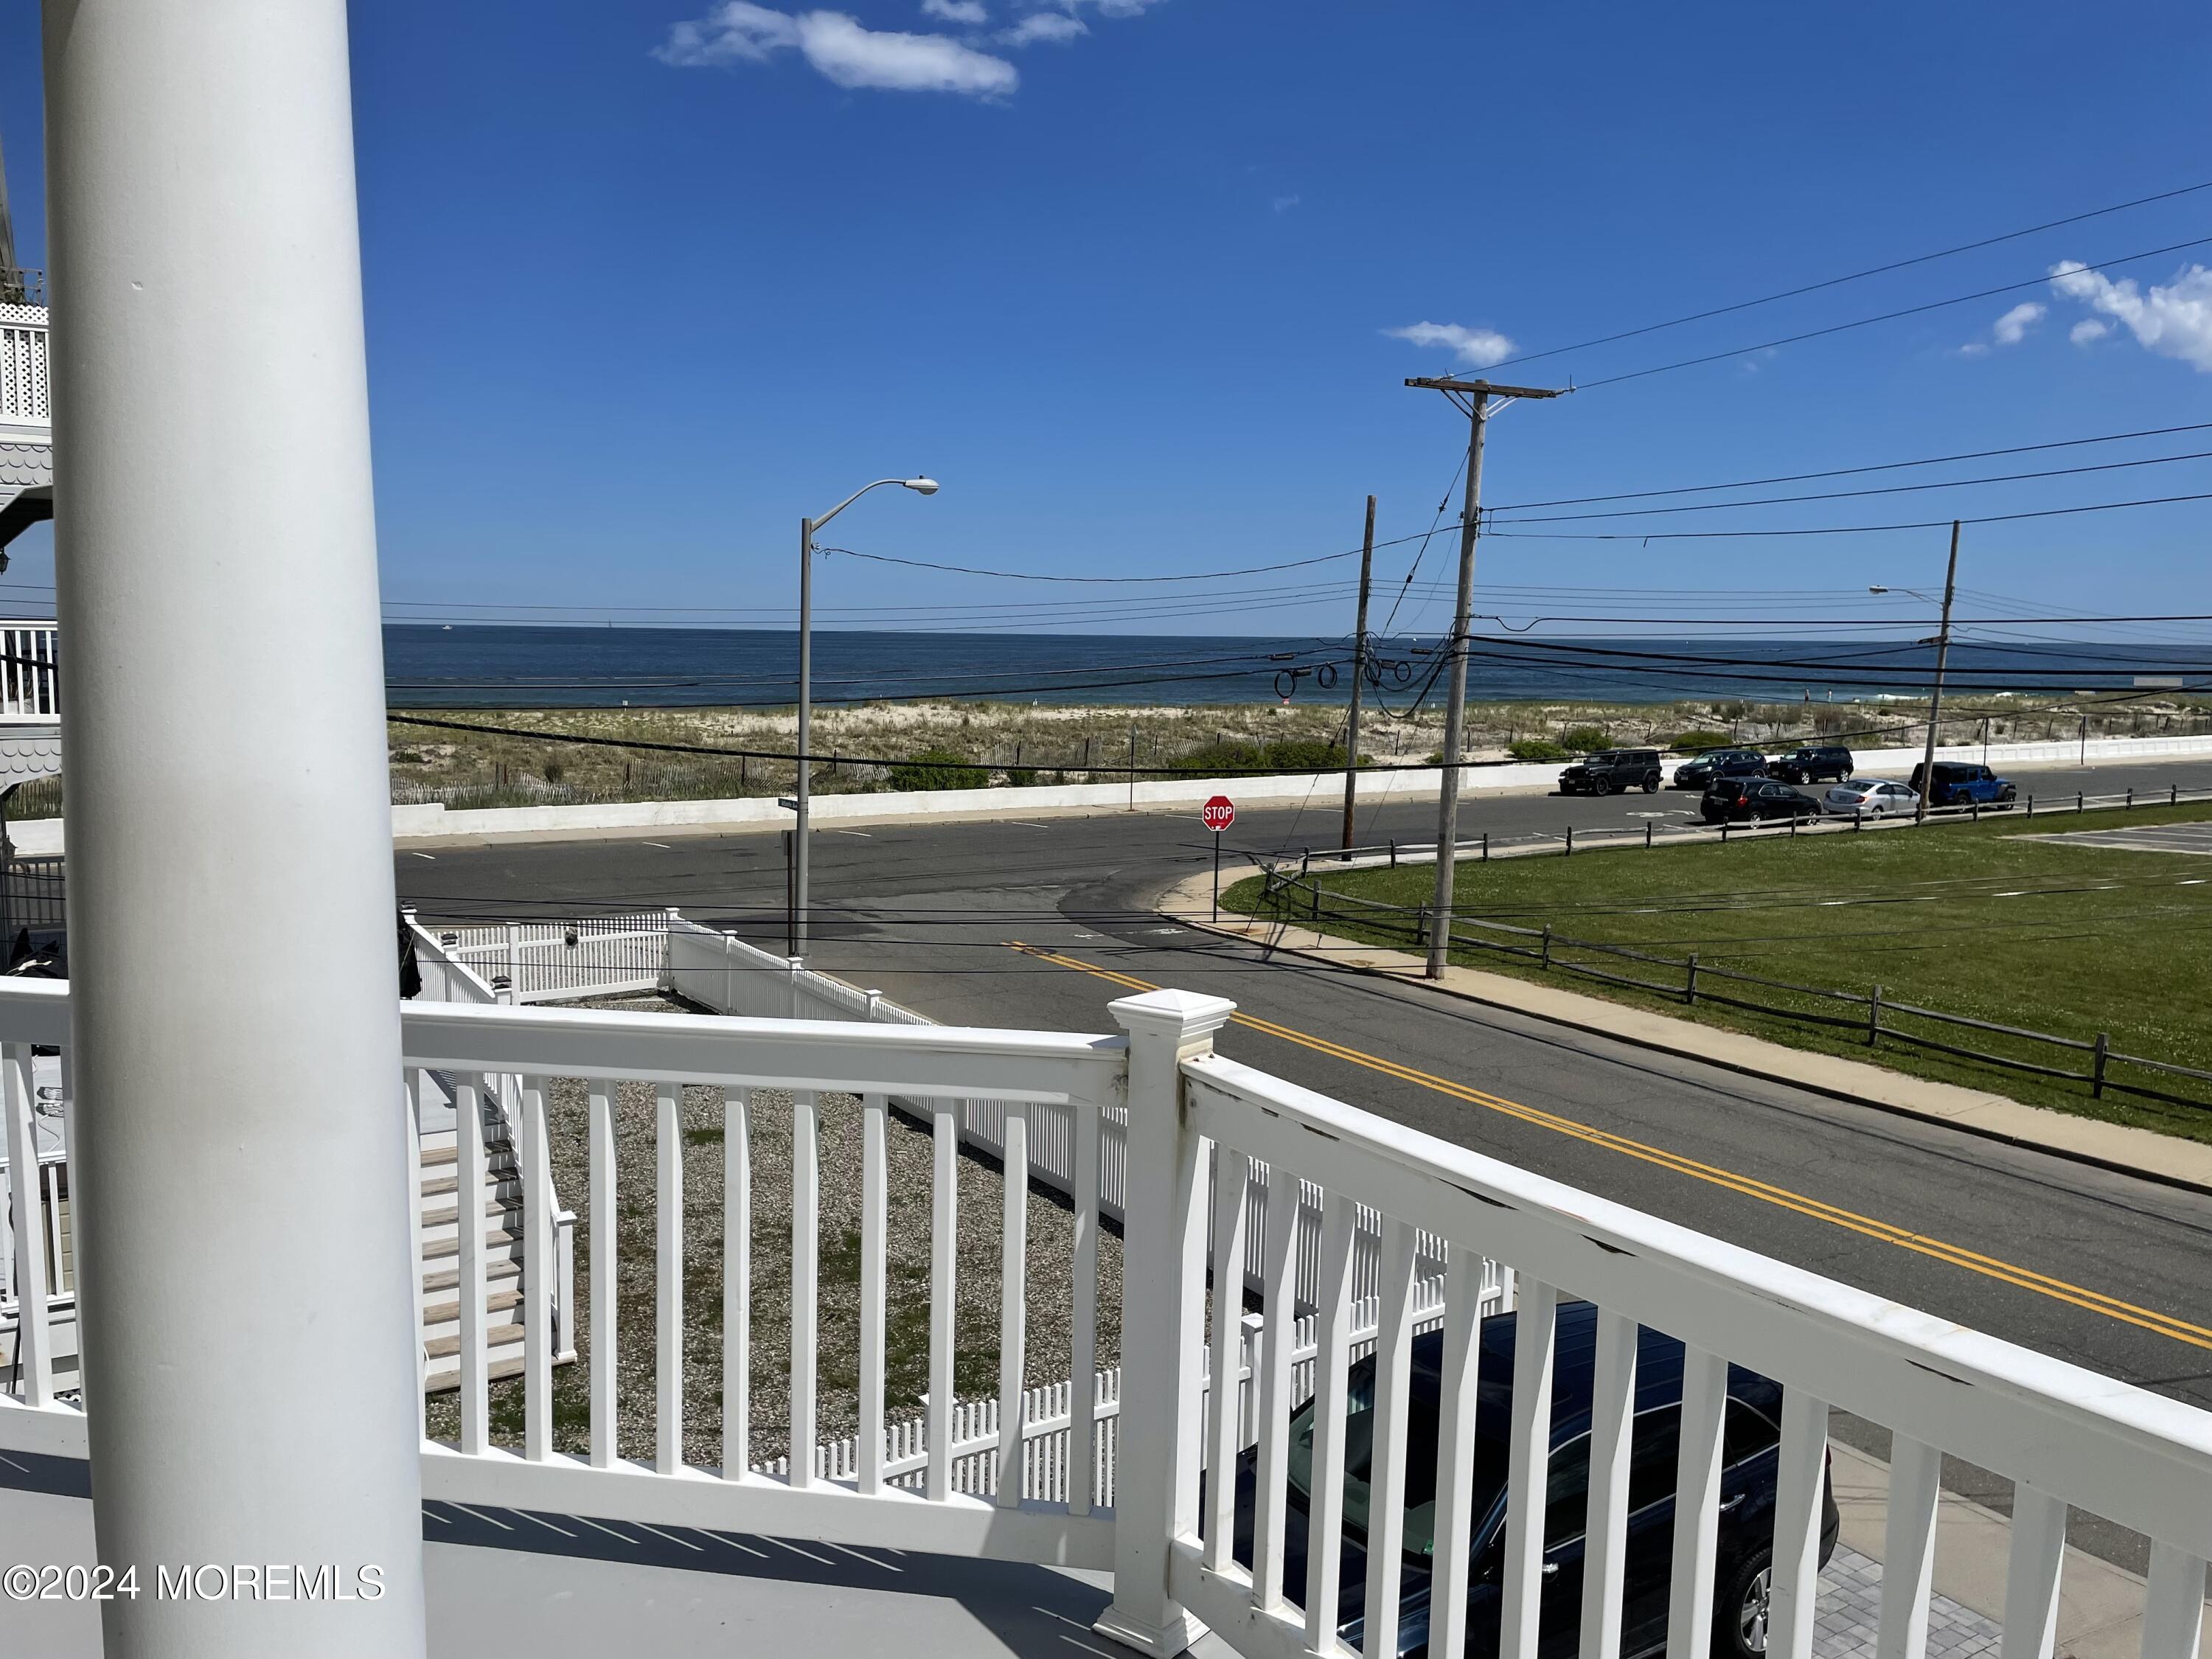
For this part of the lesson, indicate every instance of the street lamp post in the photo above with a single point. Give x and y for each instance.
(802, 794)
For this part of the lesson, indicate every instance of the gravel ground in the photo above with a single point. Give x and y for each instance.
(982, 1187)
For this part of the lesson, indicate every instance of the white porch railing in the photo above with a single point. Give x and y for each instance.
(2065, 1434)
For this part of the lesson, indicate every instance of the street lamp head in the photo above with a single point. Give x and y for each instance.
(1877, 590)
(920, 486)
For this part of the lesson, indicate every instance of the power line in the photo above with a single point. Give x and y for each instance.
(1884, 317)
(1849, 471)
(1856, 276)
(1842, 530)
(1846, 494)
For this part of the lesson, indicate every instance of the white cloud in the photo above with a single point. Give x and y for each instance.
(2088, 328)
(1054, 28)
(839, 49)
(956, 11)
(1285, 203)
(2173, 321)
(2011, 328)
(1479, 347)
(732, 33)
(843, 51)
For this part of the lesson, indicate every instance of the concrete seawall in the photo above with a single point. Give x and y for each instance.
(42, 836)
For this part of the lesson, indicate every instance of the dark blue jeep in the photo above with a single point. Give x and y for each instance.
(1960, 785)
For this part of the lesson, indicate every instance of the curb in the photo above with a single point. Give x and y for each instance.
(1181, 902)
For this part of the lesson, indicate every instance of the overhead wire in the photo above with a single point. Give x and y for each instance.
(1858, 276)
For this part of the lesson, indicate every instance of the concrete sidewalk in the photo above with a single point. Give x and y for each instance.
(2165, 1159)
(2100, 1606)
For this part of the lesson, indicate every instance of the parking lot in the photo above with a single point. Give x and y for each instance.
(2146, 838)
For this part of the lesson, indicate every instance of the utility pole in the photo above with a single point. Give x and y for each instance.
(795, 885)
(1936, 698)
(1473, 398)
(1358, 674)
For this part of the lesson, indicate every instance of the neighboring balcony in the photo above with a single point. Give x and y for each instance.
(27, 415)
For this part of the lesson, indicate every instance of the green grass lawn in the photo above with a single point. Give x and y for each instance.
(1978, 920)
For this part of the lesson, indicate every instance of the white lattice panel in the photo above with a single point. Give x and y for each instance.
(25, 384)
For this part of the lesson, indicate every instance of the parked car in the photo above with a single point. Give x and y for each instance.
(1747, 800)
(1810, 765)
(1720, 764)
(1870, 798)
(1960, 785)
(1612, 772)
(1743, 1562)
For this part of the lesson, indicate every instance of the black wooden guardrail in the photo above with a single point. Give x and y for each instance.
(1291, 894)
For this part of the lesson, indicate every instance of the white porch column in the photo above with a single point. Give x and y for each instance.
(248, 1316)
(1163, 1302)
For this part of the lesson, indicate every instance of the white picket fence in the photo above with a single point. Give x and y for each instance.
(1048, 1416)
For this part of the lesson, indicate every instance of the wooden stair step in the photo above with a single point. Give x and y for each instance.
(439, 1380)
(440, 1313)
(450, 1279)
(496, 1238)
(449, 1347)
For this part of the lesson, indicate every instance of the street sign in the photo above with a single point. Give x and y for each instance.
(1219, 813)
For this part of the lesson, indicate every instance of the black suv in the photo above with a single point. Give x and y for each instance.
(1749, 800)
(1811, 765)
(1612, 772)
(1720, 764)
(1743, 1564)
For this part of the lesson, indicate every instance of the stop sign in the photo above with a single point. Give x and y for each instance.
(1219, 813)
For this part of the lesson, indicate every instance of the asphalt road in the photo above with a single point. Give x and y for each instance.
(2108, 1271)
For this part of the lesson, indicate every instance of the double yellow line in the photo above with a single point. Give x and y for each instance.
(2027, 1279)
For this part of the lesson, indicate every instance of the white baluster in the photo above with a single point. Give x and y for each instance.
(1325, 1497)
(534, 1156)
(805, 1237)
(1278, 1269)
(469, 1234)
(1083, 1346)
(1386, 1505)
(2173, 1604)
(1013, 1263)
(1908, 1557)
(413, 1086)
(1231, 1170)
(603, 1274)
(2038, 1557)
(1527, 1466)
(668, 1278)
(34, 1359)
(1612, 1413)
(1800, 1480)
(874, 1243)
(1696, 1501)
(736, 1281)
(944, 1284)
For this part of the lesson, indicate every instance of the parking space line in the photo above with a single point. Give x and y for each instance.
(2028, 1279)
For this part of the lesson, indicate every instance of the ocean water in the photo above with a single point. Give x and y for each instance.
(520, 667)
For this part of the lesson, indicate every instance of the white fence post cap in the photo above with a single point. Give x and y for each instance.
(1186, 1016)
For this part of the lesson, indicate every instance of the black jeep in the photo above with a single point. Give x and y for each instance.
(1611, 772)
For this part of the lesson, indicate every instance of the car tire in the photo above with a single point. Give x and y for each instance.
(1652, 784)
(1741, 1608)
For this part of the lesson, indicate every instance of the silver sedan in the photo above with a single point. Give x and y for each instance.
(1870, 798)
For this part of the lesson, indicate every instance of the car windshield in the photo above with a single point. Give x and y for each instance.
(1652, 1458)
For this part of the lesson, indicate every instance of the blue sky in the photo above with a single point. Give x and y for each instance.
(648, 279)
